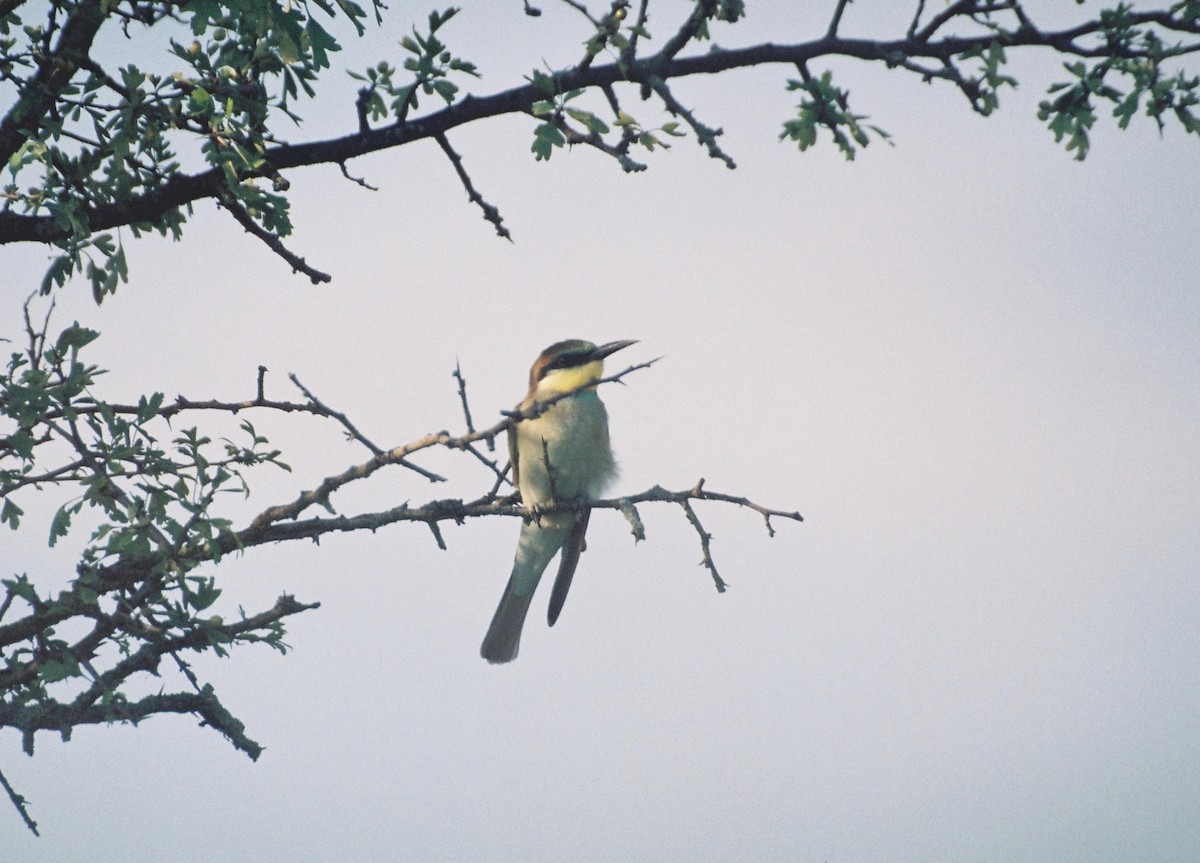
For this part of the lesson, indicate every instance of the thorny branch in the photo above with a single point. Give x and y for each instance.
(490, 213)
(272, 242)
(133, 605)
(941, 46)
(19, 803)
(136, 597)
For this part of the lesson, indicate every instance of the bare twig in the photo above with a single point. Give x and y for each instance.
(705, 135)
(271, 240)
(359, 180)
(320, 495)
(490, 213)
(21, 805)
(837, 18)
(437, 534)
(635, 32)
(705, 538)
(916, 19)
(462, 395)
(352, 432)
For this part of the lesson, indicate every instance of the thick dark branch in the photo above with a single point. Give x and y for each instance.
(459, 511)
(146, 658)
(53, 716)
(53, 76)
(185, 189)
(154, 649)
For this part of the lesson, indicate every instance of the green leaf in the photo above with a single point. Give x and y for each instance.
(200, 100)
(203, 12)
(54, 670)
(57, 274)
(321, 43)
(543, 82)
(21, 586)
(205, 593)
(11, 514)
(445, 89)
(545, 138)
(593, 123)
(648, 141)
(148, 408)
(61, 523)
(74, 337)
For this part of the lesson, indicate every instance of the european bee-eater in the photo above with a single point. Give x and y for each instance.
(562, 455)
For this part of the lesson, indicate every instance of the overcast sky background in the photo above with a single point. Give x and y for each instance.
(971, 362)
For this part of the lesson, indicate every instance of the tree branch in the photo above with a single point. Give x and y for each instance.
(271, 241)
(53, 76)
(21, 805)
(182, 190)
(490, 213)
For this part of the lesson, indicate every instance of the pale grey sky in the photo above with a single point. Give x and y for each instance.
(971, 362)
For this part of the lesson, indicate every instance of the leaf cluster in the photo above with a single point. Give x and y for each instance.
(70, 656)
(143, 593)
(825, 106)
(428, 71)
(1133, 74)
(92, 138)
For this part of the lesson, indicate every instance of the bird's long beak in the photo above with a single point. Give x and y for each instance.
(603, 351)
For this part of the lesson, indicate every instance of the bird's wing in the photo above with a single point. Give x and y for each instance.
(566, 567)
(513, 457)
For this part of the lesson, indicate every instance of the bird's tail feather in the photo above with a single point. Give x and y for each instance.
(566, 567)
(538, 544)
(504, 635)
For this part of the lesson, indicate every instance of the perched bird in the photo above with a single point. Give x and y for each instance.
(561, 455)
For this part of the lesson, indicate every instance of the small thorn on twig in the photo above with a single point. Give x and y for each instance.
(437, 534)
